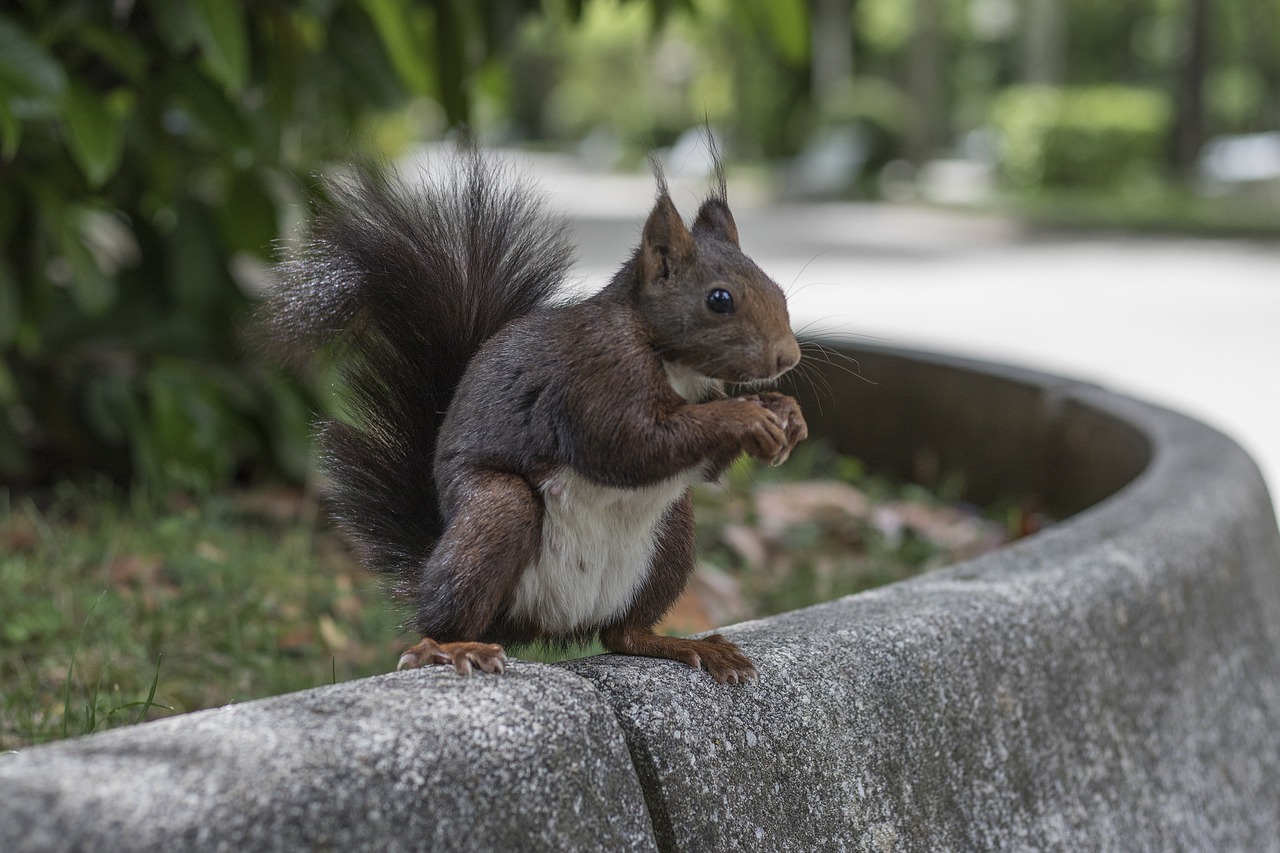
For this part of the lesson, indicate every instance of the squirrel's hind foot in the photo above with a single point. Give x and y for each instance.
(463, 656)
(722, 660)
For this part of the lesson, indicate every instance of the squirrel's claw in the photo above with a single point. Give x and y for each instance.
(718, 657)
(725, 662)
(464, 657)
(789, 418)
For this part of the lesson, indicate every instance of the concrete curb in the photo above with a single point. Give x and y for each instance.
(1110, 683)
(406, 761)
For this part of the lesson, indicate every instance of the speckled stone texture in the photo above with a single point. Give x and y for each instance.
(420, 760)
(1112, 683)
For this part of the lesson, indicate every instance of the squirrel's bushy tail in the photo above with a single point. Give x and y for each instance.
(406, 283)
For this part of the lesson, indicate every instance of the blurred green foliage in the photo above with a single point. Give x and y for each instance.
(153, 152)
(750, 66)
(1092, 137)
(643, 72)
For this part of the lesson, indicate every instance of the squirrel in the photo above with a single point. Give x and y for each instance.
(520, 463)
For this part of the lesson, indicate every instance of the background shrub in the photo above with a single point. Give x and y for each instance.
(151, 153)
(1088, 137)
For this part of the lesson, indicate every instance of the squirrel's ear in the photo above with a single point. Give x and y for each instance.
(666, 242)
(714, 218)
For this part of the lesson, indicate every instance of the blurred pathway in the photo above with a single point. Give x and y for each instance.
(1187, 323)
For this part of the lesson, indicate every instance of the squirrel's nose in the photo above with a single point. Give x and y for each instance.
(788, 356)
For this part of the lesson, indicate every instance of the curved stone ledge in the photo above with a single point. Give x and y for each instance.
(405, 761)
(1110, 683)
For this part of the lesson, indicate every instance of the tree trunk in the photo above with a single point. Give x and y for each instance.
(1189, 129)
(926, 44)
(831, 37)
(1044, 42)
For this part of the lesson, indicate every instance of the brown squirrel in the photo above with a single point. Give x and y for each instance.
(521, 465)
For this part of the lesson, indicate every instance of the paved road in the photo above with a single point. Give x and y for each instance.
(1187, 323)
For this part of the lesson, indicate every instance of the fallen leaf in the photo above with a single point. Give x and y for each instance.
(747, 543)
(279, 504)
(948, 526)
(334, 638)
(135, 570)
(788, 504)
(712, 599)
(211, 552)
(296, 641)
(18, 540)
(686, 616)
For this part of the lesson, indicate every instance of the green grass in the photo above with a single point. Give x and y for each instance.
(118, 609)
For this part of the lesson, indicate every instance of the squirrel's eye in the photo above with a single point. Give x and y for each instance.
(720, 301)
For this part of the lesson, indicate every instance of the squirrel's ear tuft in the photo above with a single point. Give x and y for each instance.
(714, 218)
(666, 243)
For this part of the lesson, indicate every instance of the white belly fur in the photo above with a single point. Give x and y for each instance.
(597, 545)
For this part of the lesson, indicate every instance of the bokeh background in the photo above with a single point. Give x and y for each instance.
(154, 152)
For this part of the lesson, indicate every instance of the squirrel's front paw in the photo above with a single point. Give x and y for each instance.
(463, 656)
(764, 436)
(790, 418)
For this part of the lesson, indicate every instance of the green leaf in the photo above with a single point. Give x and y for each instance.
(884, 24)
(14, 459)
(107, 406)
(192, 431)
(247, 219)
(196, 266)
(451, 61)
(126, 54)
(10, 133)
(173, 21)
(10, 303)
(94, 291)
(220, 30)
(405, 39)
(788, 24)
(292, 417)
(95, 132)
(359, 51)
(25, 68)
(208, 107)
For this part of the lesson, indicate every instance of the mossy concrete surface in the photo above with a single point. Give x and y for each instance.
(1110, 683)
